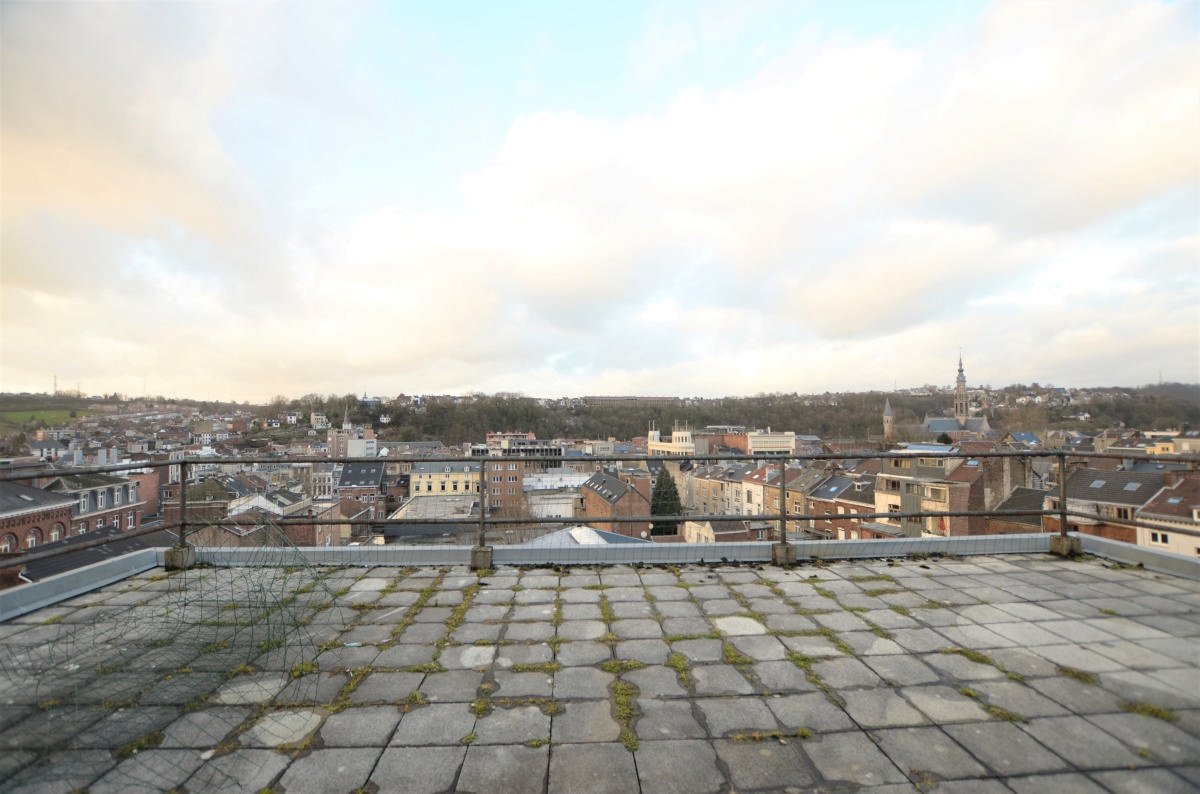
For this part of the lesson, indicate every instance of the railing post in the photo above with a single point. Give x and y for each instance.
(1062, 544)
(181, 556)
(783, 553)
(481, 554)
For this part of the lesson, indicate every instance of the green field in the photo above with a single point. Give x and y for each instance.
(12, 421)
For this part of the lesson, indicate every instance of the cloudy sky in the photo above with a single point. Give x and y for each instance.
(238, 200)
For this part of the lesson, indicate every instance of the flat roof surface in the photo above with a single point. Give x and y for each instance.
(989, 674)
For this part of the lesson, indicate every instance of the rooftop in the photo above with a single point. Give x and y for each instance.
(1014, 672)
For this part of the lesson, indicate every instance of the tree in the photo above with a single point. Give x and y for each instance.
(665, 502)
(944, 438)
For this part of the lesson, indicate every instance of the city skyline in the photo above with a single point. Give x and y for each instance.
(237, 201)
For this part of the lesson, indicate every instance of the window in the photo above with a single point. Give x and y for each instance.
(117, 497)
(83, 502)
(117, 521)
(1122, 513)
(444, 485)
(456, 485)
(497, 478)
(1160, 537)
(100, 500)
(512, 467)
(512, 478)
(7, 543)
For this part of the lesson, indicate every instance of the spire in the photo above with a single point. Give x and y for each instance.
(960, 395)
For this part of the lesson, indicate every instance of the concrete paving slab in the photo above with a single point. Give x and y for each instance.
(1006, 749)
(418, 770)
(1158, 737)
(516, 725)
(811, 710)
(727, 716)
(765, 765)
(367, 726)
(943, 704)
(437, 724)
(679, 767)
(719, 679)
(1086, 745)
(667, 719)
(148, 772)
(324, 771)
(880, 707)
(241, 770)
(507, 768)
(1144, 781)
(850, 757)
(924, 751)
(579, 653)
(591, 769)
(204, 728)
(585, 721)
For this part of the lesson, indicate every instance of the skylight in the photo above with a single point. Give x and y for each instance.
(1132, 486)
(1174, 500)
(1097, 484)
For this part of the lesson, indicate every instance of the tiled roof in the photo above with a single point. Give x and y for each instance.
(1176, 501)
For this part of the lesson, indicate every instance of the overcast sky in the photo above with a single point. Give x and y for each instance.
(238, 200)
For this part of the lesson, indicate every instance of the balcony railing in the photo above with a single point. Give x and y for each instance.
(486, 530)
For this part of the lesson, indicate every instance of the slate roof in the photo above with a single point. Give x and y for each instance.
(1023, 498)
(17, 499)
(611, 489)
(1114, 487)
(61, 563)
(363, 475)
(70, 483)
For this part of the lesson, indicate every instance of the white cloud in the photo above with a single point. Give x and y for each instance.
(847, 217)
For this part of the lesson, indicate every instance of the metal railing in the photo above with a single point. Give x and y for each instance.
(484, 526)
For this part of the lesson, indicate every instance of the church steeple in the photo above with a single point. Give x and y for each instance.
(889, 421)
(960, 395)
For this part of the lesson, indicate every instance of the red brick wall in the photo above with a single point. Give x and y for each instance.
(21, 527)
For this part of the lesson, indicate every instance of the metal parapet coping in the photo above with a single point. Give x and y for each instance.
(19, 600)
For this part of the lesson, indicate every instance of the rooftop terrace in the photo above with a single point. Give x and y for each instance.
(1008, 673)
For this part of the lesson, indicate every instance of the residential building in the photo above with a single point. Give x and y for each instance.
(1173, 516)
(364, 483)
(1105, 502)
(101, 500)
(606, 495)
(682, 442)
(31, 516)
(441, 479)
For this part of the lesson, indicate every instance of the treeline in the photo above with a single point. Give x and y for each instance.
(856, 416)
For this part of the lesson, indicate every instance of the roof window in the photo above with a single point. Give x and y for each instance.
(1132, 486)
(1097, 484)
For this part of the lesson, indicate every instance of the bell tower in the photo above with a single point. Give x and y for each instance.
(960, 395)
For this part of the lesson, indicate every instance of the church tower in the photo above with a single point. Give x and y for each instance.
(960, 396)
(889, 421)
